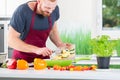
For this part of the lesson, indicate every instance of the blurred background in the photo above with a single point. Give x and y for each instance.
(80, 20)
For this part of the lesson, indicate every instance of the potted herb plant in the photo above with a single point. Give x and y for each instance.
(118, 47)
(103, 47)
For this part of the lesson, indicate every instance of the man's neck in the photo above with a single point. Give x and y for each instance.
(32, 6)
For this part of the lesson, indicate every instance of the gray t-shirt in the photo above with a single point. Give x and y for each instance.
(22, 16)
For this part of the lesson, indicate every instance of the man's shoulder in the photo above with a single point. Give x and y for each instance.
(22, 7)
(57, 8)
(56, 13)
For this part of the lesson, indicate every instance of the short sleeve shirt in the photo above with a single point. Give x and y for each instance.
(22, 17)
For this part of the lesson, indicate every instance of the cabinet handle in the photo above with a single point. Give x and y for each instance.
(1, 27)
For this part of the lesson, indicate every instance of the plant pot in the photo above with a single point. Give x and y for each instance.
(103, 62)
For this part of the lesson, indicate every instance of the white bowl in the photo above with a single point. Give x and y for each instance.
(2, 57)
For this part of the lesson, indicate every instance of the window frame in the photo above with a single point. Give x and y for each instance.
(114, 34)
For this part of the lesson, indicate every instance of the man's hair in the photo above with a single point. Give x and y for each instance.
(49, 0)
(52, 0)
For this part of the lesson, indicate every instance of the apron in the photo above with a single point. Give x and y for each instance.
(35, 37)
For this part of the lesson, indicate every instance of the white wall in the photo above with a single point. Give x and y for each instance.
(12, 5)
(2, 8)
(81, 12)
(8, 6)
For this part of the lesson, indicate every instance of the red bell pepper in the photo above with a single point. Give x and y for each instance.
(12, 64)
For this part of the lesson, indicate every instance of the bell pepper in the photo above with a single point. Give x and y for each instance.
(12, 64)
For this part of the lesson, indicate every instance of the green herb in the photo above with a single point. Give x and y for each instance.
(102, 46)
(118, 47)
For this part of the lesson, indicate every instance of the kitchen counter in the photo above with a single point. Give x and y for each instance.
(31, 74)
(113, 61)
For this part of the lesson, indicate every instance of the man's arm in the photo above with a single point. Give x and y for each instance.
(54, 36)
(15, 42)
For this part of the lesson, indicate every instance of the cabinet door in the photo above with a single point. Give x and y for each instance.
(1, 37)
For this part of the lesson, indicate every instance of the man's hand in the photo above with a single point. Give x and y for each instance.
(43, 51)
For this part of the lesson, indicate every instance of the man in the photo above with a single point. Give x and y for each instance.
(30, 26)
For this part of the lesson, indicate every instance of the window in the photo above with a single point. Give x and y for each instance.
(108, 18)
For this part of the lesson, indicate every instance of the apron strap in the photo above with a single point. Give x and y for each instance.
(50, 22)
(33, 16)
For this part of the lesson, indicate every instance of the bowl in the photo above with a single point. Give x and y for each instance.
(2, 57)
(64, 53)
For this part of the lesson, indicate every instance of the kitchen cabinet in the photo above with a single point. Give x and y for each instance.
(1, 37)
(31, 74)
(3, 34)
(4, 21)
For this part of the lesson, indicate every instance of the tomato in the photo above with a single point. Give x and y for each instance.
(22, 64)
(93, 67)
(12, 64)
(39, 64)
(62, 68)
(56, 67)
(85, 67)
(48, 67)
(78, 68)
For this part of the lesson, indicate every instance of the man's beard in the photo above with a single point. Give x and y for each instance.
(46, 14)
